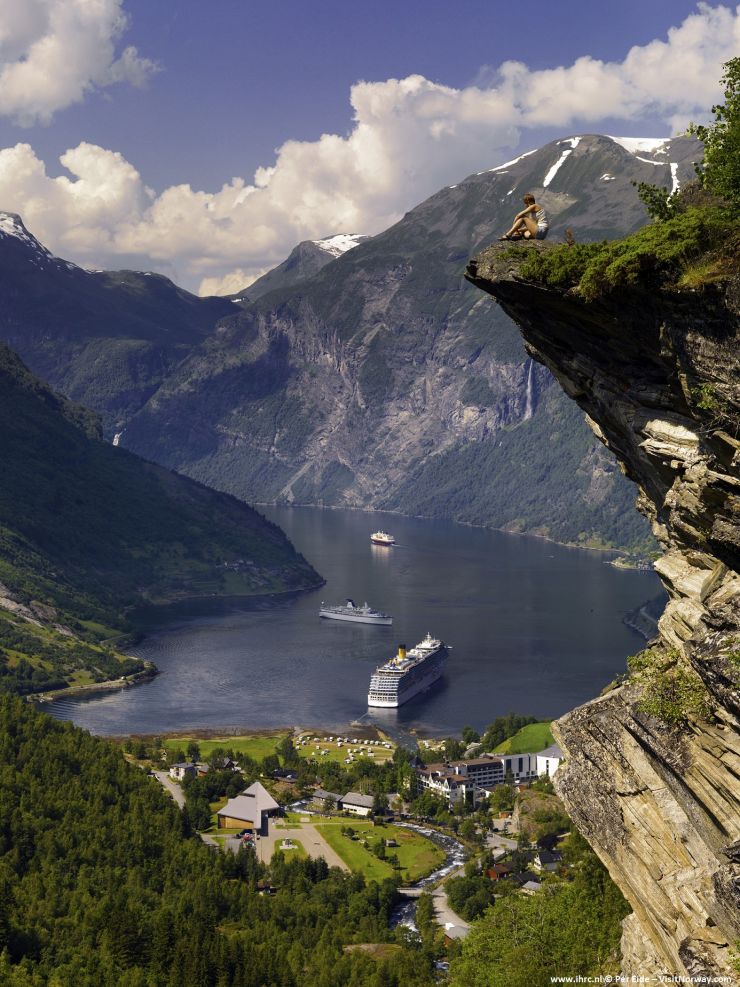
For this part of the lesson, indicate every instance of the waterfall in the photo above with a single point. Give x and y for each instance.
(529, 399)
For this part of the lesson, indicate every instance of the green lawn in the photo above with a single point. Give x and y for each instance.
(298, 849)
(417, 855)
(256, 746)
(361, 751)
(529, 740)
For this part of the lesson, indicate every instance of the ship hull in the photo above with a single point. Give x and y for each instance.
(356, 618)
(420, 684)
(379, 541)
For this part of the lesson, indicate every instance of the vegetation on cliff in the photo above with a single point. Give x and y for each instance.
(694, 240)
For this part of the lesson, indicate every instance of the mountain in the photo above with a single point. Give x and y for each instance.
(645, 336)
(386, 381)
(104, 338)
(305, 260)
(88, 531)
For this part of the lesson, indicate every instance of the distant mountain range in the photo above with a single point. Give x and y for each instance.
(377, 378)
(88, 532)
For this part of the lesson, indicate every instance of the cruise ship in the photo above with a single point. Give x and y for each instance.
(408, 673)
(358, 615)
(382, 538)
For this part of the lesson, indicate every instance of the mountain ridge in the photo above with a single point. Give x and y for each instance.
(366, 383)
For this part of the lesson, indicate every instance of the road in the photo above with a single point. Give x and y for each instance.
(171, 786)
(312, 841)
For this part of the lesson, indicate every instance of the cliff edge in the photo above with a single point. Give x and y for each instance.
(652, 769)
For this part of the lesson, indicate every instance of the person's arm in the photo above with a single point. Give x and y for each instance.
(532, 208)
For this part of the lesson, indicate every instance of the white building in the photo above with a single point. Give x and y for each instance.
(357, 803)
(453, 780)
(183, 770)
(548, 761)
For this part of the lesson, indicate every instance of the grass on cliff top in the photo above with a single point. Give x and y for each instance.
(532, 738)
(688, 250)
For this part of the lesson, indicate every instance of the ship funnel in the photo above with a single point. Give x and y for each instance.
(401, 651)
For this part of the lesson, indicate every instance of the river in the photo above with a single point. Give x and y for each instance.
(534, 628)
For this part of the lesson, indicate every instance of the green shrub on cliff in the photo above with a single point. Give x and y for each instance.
(658, 253)
(672, 691)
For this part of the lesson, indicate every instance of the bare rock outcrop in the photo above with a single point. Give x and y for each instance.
(657, 371)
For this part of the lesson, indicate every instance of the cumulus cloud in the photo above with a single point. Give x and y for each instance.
(409, 137)
(53, 52)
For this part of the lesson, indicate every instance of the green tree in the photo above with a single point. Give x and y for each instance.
(720, 169)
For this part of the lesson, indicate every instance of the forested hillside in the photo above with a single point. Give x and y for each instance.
(102, 884)
(88, 531)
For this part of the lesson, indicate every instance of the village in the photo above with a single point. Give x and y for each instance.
(466, 830)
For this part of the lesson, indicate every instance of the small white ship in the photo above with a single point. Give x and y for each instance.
(358, 615)
(408, 673)
(382, 538)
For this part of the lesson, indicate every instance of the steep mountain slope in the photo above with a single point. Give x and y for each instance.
(645, 337)
(385, 380)
(104, 338)
(88, 531)
(305, 260)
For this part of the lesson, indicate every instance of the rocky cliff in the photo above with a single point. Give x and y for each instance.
(652, 770)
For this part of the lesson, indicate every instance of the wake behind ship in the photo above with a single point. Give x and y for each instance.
(408, 673)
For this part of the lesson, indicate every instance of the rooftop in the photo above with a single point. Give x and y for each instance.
(357, 798)
(552, 751)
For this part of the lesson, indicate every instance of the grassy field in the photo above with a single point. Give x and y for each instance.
(297, 850)
(259, 746)
(355, 748)
(529, 740)
(256, 746)
(417, 856)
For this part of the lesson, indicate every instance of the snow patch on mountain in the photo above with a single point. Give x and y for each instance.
(574, 142)
(635, 144)
(11, 225)
(340, 243)
(508, 164)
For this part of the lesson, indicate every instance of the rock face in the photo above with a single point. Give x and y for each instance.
(383, 380)
(658, 374)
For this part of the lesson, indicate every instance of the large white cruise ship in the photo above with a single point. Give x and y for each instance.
(357, 615)
(408, 673)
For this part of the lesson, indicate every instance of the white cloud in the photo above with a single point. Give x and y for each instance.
(409, 137)
(53, 52)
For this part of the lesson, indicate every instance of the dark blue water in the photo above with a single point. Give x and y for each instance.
(534, 628)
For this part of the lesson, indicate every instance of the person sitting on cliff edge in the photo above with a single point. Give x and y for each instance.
(529, 224)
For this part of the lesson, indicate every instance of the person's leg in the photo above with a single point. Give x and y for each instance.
(531, 224)
(516, 232)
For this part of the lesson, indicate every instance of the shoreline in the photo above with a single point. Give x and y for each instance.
(449, 520)
(108, 685)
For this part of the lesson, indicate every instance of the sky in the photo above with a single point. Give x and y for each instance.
(204, 140)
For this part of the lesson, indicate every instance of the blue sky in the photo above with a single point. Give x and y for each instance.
(156, 105)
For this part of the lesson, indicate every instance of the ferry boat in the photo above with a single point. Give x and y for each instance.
(358, 615)
(408, 673)
(382, 538)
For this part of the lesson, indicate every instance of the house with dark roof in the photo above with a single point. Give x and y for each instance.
(356, 803)
(185, 769)
(547, 860)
